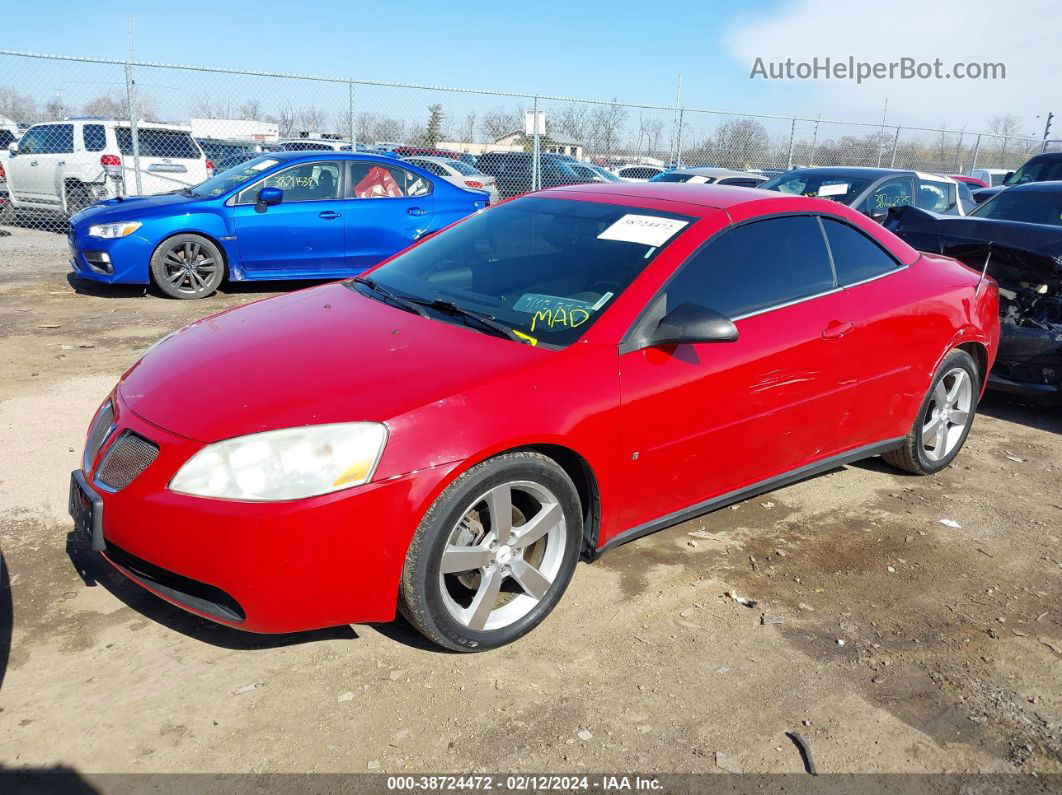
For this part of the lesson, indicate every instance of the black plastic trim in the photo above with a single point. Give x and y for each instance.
(777, 482)
(199, 596)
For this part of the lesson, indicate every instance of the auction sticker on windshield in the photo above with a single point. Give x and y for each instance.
(649, 230)
(837, 189)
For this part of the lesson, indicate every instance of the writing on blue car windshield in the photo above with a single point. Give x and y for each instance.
(234, 177)
(544, 268)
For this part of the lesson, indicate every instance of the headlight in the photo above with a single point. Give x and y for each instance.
(120, 229)
(285, 465)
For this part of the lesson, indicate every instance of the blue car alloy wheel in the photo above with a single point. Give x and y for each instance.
(187, 266)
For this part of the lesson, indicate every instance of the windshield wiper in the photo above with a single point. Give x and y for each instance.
(387, 295)
(485, 321)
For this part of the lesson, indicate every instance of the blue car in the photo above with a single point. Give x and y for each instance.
(281, 215)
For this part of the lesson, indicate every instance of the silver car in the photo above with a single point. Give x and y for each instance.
(714, 176)
(458, 173)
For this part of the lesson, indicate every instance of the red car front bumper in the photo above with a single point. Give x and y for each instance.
(262, 567)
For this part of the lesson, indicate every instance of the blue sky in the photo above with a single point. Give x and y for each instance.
(593, 48)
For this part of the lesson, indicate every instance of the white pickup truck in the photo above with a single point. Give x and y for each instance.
(67, 165)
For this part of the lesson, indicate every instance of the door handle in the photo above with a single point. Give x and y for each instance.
(329, 215)
(33, 162)
(837, 328)
(416, 211)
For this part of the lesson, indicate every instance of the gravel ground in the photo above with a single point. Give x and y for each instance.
(895, 643)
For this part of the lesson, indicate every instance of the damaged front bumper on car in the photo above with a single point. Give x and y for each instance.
(1026, 262)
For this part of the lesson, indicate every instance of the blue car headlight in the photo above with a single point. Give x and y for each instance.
(111, 231)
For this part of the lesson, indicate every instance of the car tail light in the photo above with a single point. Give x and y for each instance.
(473, 183)
(210, 168)
(3, 174)
(112, 164)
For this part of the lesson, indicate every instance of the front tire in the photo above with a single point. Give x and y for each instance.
(494, 553)
(187, 267)
(944, 419)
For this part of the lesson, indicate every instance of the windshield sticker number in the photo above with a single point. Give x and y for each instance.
(648, 230)
(533, 302)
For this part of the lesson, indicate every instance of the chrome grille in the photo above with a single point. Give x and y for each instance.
(99, 432)
(130, 455)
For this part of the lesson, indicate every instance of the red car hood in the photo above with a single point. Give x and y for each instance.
(321, 355)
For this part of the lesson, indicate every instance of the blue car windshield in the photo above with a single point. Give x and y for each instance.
(235, 177)
(545, 268)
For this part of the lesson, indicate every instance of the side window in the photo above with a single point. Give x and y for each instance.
(855, 255)
(756, 266)
(94, 136)
(49, 139)
(377, 181)
(306, 182)
(894, 193)
(937, 197)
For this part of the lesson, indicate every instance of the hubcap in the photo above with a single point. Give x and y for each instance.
(189, 267)
(948, 414)
(503, 556)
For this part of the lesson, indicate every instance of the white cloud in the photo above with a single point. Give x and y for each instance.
(1024, 36)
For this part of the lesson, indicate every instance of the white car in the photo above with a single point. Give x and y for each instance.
(311, 145)
(992, 177)
(638, 172)
(457, 173)
(706, 175)
(65, 166)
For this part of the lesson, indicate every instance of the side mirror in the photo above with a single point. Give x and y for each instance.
(13, 147)
(688, 323)
(1007, 176)
(877, 214)
(268, 197)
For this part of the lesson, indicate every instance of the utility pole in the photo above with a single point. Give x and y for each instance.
(1047, 130)
(881, 137)
(133, 108)
(676, 125)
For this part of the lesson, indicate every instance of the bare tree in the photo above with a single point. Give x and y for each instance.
(312, 119)
(17, 106)
(574, 120)
(468, 129)
(252, 109)
(285, 118)
(607, 125)
(501, 122)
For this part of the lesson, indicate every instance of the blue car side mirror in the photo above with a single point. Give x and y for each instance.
(269, 197)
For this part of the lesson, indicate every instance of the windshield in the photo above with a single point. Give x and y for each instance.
(547, 268)
(606, 173)
(1036, 171)
(823, 184)
(234, 177)
(463, 168)
(679, 176)
(1027, 206)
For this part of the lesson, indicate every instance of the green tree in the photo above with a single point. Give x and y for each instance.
(433, 132)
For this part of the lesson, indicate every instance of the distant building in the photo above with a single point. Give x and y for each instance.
(554, 143)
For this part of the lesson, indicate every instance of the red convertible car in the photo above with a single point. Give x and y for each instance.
(450, 433)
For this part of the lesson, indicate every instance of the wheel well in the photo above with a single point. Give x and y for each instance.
(979, 353)
(577, 468)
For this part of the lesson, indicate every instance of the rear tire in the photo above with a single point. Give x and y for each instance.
(77, 198)
(944, 418)
(473, 581)
(187, 267)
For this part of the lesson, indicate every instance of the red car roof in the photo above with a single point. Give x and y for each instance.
(713, 196)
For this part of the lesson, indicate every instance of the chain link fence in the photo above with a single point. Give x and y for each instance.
(88, 129)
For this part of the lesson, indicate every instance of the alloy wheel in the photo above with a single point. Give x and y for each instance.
(948, 414)
(189, 267)
(503, 555)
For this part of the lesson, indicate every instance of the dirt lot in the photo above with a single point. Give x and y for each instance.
(903, 644)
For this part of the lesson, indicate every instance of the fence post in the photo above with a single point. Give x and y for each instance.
(352, 106)
(814, 141)
(977, 150)
(895, 143)
(536, 168)
(678, 138)
(132, 109)
(958, 153)
(792, 136)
